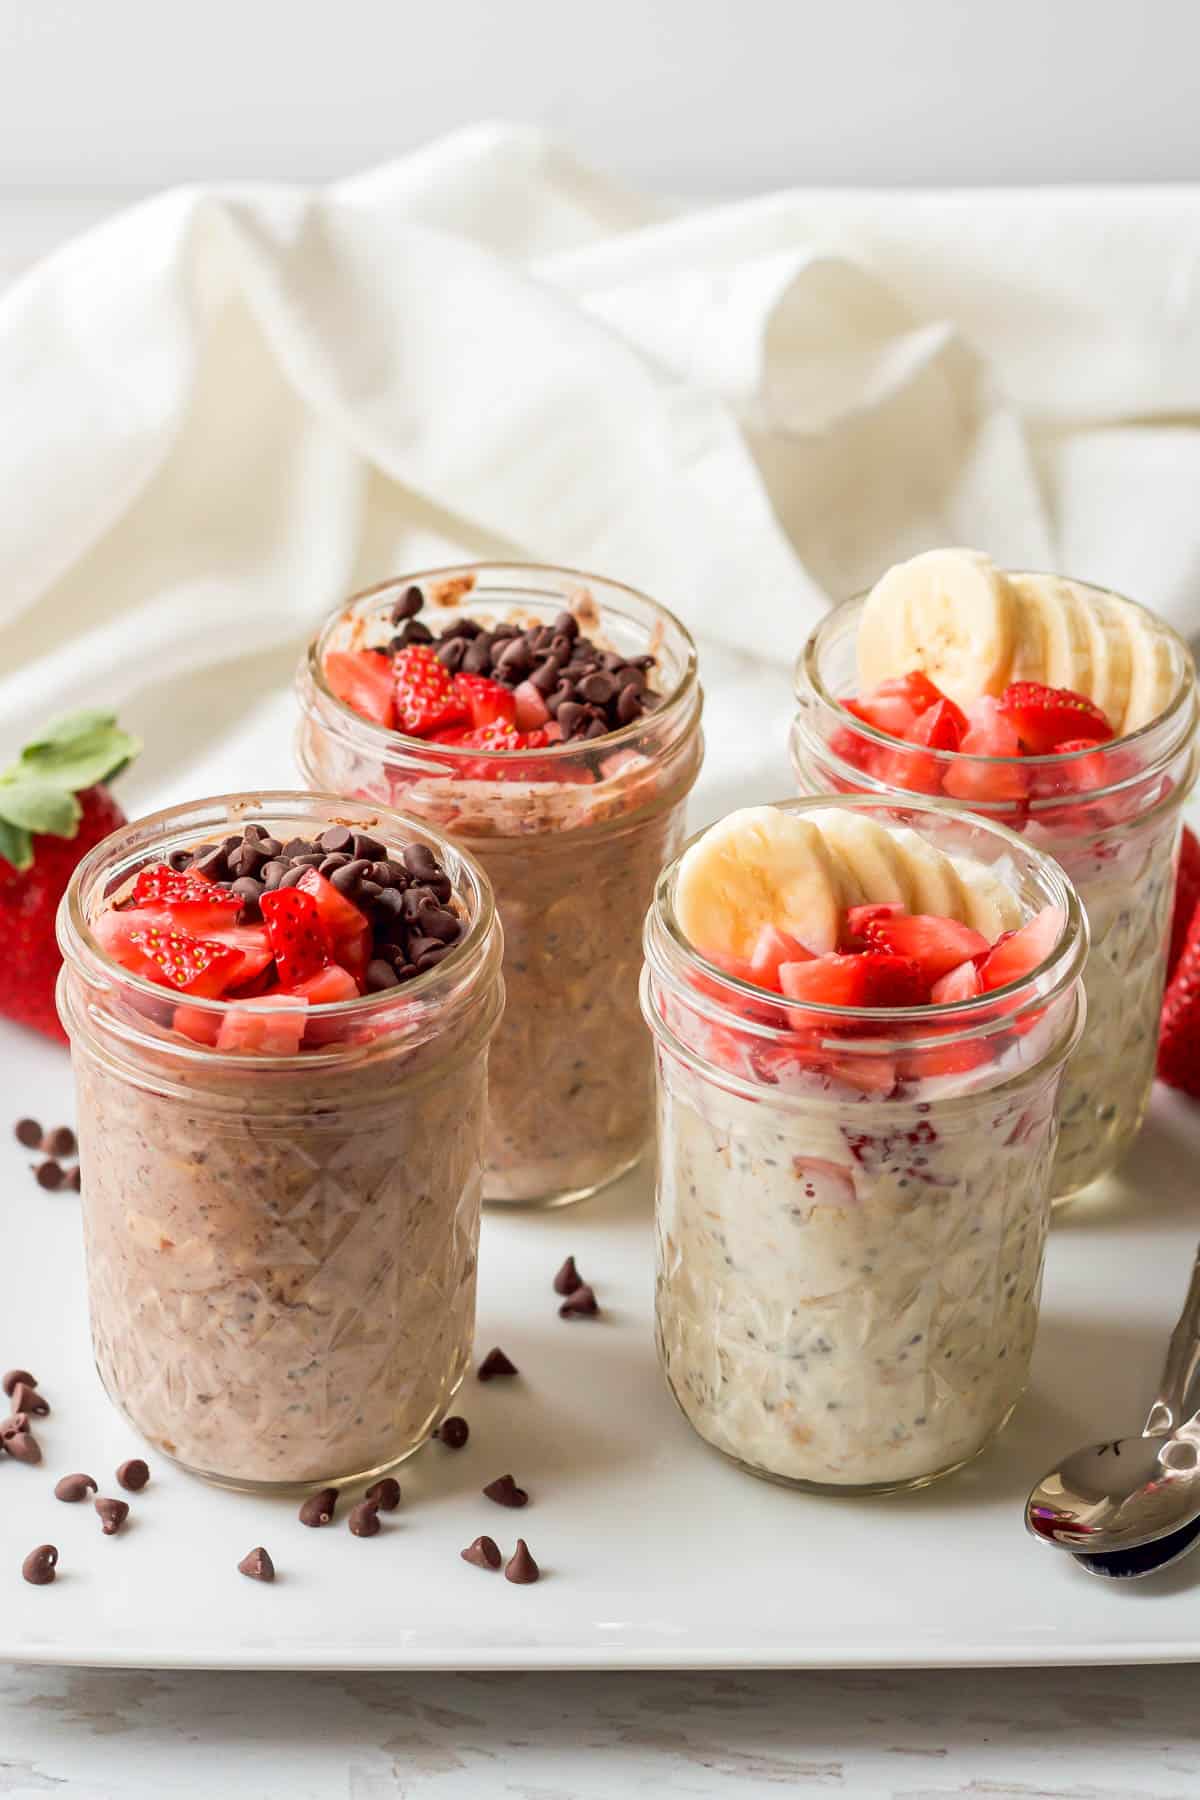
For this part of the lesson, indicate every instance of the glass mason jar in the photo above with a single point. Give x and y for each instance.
(852, 1203)
(572, 838)
(281, 1249)
(1111, 817)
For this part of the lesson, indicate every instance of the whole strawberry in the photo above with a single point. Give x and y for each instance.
(1187, 896)
(54, 808)
(1179, 1031)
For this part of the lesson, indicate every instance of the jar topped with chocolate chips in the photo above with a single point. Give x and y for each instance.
(550, 722)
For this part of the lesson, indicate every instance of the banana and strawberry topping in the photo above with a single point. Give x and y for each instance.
(836, 909)
(496, 688)
(309, 922)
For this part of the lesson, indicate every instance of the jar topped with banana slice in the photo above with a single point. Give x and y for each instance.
(1067, 713)
(861, 1013)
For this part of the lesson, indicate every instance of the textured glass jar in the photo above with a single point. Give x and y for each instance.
(281, 1250)
(852, 1204)
(572, 838)
(1117, 839)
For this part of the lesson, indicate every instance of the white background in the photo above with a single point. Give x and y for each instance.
(713, 96)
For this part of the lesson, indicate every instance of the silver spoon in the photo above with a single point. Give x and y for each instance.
(1129, 1494)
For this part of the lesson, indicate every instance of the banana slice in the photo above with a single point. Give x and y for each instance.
(874, 866)
(991, 906)
(1153, 668)
(1065, 633)
(760, 866)
(952, 613)
(935, 881)
(1112, 658)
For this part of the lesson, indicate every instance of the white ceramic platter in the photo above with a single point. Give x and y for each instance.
(654, 1552)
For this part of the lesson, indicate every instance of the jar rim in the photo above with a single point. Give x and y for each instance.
(669, 953)
(808, 676)
(673, 704)
(142, 840)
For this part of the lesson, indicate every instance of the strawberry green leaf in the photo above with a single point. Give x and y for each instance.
(75, 752)
(39, 806)
(16, 845)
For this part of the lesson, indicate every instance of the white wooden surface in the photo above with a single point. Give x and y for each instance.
(1114, 1734)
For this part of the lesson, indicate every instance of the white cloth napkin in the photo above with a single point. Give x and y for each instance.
(229, 407)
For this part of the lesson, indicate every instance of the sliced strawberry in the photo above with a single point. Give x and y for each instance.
(1187, 895)
(363, 681)
(891, 713)
(915, 688)
(426, 698)
(193, 965)
(772, 948)
(328, 985)
(962, 983)
(989, 734)
(859, 917)
(934, 944)
(869, 979)
(1045, 717)
(272, 1026)
(1017, 953)
(185, 902)
(532, 711)
(254, 947)
(487, 702)
(347, 929)
(298, 939)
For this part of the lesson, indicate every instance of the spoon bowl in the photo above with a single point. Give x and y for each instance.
(1119, 1495)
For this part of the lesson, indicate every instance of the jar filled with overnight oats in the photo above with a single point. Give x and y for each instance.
(853, 1199)
(281, 1130)
(572, 823)
(1106, 803)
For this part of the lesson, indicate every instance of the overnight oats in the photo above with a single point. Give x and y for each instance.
(1060, 710)
(862, 1013)
(279, 1008)
(549, 722)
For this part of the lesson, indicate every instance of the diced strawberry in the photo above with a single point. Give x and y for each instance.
(193, 1022)
(347, 929)
(298, 939)
(1187, 895)
(253, 945)
(772, 948)
(487, 702)
(869, 979)
(941, 726)
(272, 1026)
(1179, 1037)
(871, 1074)
(934, 944)
(823, 1183)
(962, 983)
(916, 688)
(532, 711)
(327, 986)
(363, 681)
(990, 734)
(850, 747)
(425, 696)
(193, 965)
(859, 917)
(891, 713)
(1045, 717)
(1019, 952)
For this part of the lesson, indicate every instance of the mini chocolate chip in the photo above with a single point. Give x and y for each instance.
(336, 840)
(257, 1565)
(113, 1514)
(478, 659)
(318, 1509)
(506, 630)
(453, 1432)
(308, 859)
(545, 679)
(179, 860)
(408, 605)
(270, 846)
(29, 1133)
(364, 1520)
(384, 1493)
(414, 631)
(484, 1553)
(74, 1180)
(233, 842)
(413, 899)
(40, 1565)
(571, 716)
(398, 876)
(379, 975)
(598, 690)
(597, 729)
(581, 1303)
(49, 1175)
(496, 1363)
(517, 658)
(420, 861)
(450, 652)
(60, 1141)
(292, 876)
(297, 846)
(568, 1278)
(272, 873)
(249, 892)
(429, 959)
(505, 1492)
(15, 1378)
(347, 878)
(438, 922)
(567, 625)
(419, 945)
(74, 1487)
(520, 1566)
(212, 865)
(26, 1399)
(22, 1445)
(461, 628)
(629, 706)
(133, 1474)
(368, 849)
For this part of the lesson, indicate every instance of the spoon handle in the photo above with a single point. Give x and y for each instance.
(1183, 1357)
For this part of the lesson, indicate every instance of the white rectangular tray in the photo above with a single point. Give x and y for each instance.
(655, 1553)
